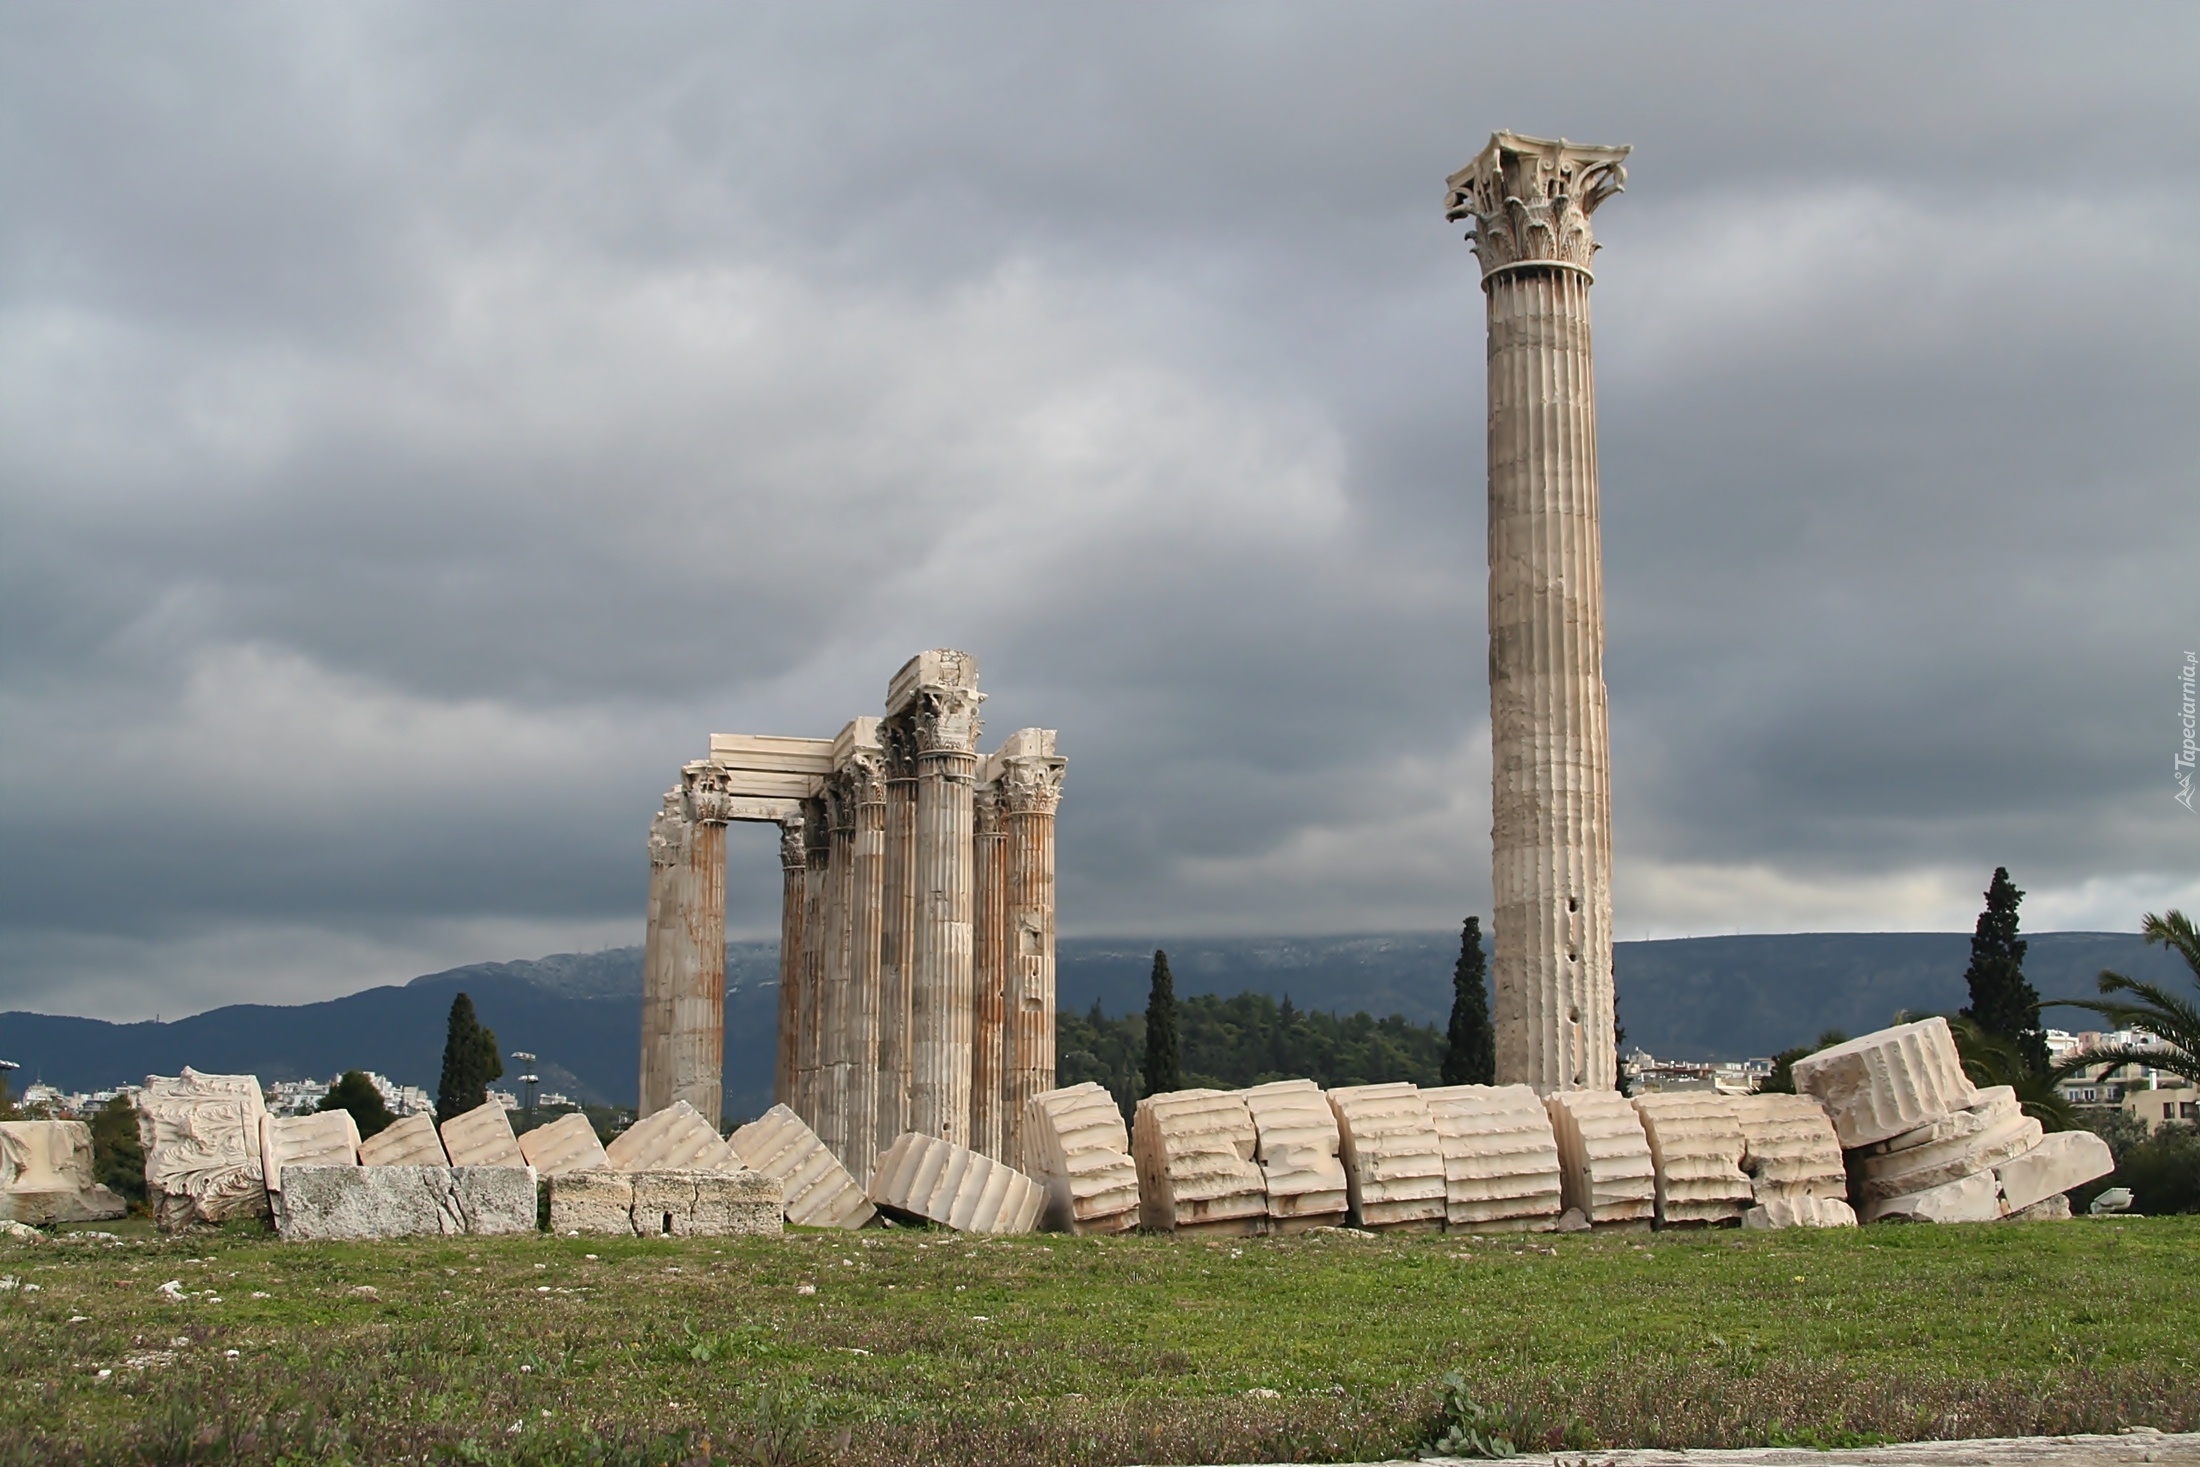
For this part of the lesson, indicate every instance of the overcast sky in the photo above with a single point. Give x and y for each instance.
(422, 426)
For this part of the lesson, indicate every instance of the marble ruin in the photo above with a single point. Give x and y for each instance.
(1194, 1150)
(352, 1202)
(1605, 1169)
(1697, 1148)
(819, 1191)
(1529, 200)
(677, 1138)
(1924, 1145)
(916, 978)
(1077, 1148)
(201, 1135)
(922, 1178)
(667, 1204)
(1796, 1174)
(1301, 1154)
(46, 1174)
(323, 1139)
(1500, 1158)
(406, 1141)
(481, 1137)
(1393, 1158)
(567, 1144)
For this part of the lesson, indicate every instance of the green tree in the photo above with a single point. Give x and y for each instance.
(8, 1112)
(118, 1157)
(1164, 1048)
(470, 1062)
(2152, 1008)
(1995, 1059)
(2002, 1001)
(1470, 1045)
(354, 1092)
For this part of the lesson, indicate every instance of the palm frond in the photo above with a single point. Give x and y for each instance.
(2174, 930)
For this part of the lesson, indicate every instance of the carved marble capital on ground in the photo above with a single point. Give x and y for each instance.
(1530, 199)
(709, 799)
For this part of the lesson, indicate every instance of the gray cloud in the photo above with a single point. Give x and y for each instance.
(419, 429)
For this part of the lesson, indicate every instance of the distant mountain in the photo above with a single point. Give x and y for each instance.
(1697, 997)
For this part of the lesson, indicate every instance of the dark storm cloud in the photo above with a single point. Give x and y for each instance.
(419, 428)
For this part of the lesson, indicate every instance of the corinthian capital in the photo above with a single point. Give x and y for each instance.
(945, 720)
(793, 844)
(1031, 784)
(1530, 199)
(864, 778)
(709, 798)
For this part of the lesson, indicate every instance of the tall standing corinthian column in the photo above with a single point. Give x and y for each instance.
(989, 970)
(794, 865)
(1029, 776)
(1529, 200)
(697, 1036)
(940, 690)
(662, 938)
(866, 776)
(897, 921)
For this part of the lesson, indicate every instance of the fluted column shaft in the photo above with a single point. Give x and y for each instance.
(793, 916)
(663, 938)
(1031, 792)
(834, 1058)
(897, 921)
(989, 973)
(696, 1045)
(809, 1047)
(866, 883)
(1551, 858)
(941, 956)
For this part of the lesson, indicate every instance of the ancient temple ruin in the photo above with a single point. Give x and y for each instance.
(916, 960)
(1529, 200)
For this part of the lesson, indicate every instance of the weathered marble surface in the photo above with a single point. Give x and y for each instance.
(818, 1191)
(350, 1202)
(1975, 1198)
(1605, 1169)
(741, 1203)
(406, 1141)
(46, 1174)
(1393, 1160)
(1076, 1146)
(567, 1144)
(325, 1138)
(1991, 1130)
(1301, 1153)
(675, 1139)
(482, 1137)
(201, 1135)
(1500, 1158)
(1696, 1153)
(1194, 1150)
(1886, 1083)
(938, 1181)
(2064, 1160)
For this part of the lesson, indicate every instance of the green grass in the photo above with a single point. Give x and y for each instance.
(928, 1347)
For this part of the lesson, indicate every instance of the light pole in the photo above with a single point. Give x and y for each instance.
(530, 1080)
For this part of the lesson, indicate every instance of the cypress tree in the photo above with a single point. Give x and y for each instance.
(2003, 1002)
(470, 1062)
(1470, 1045)
(1164, 1048)
(356, 1093)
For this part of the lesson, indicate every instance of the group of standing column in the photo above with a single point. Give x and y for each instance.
(916, 962)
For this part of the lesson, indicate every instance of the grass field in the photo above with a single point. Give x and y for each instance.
(910, 1346)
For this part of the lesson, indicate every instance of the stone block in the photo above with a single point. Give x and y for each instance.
(1800, 1210)
(1981, 1136)
(1194, 1150)
(351, 1202)
(924, 1178)
(1604, 1165)
(325, 1138)
(567, 1144)
(740, 1203)
(201, 1135)
(2059, 1162)
(1393, 1161)
(1797, 1175)
(675, 1139)
(482, 1137)
(1500, 1158)
(406, 1141)
(1077, 1147)
(1888, 1082)
(1696, 1151)
(1299, 1149)
(2048, 1209)
(819, 1192)
(1975, 1198)
(592, 1202)
(46, 1174)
